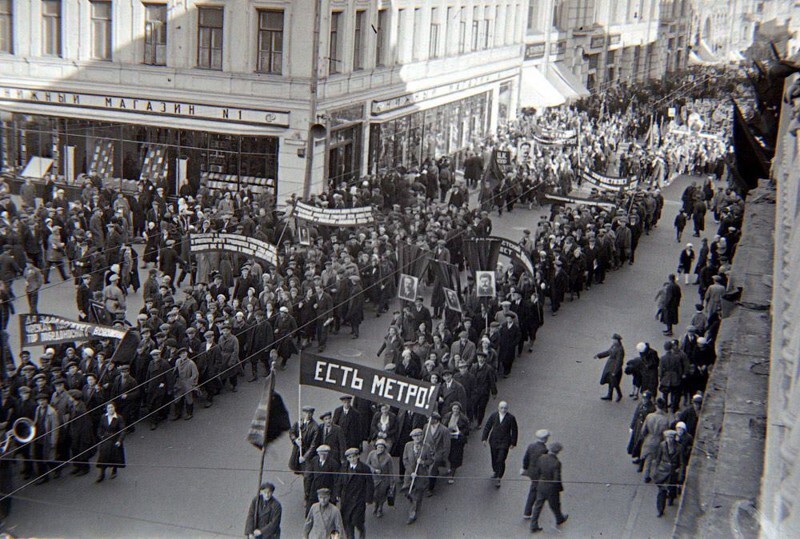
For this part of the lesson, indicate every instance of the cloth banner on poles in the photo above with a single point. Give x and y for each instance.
(581, 201)
(556, 138)
(499, 165)
(44, 329)
(271, 418)
(412, 259)
(482, 253)
(609, 183)
(344, 217)
(447, 274)
(516, 253)
(374, 385)
(234, 243)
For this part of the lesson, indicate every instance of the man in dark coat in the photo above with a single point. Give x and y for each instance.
(670, 375)
(350, 421)
(530, 467)
(549, 488)
(672, 303)
(500, 433)
(264, 515)
(320, 472)
(354, 314)
(259, 339)
(323, 305)
(612, 372)
(332, 436)
(354, 488)
(303, 435)
(510, 336)
(649, 368)
(485, 385)
(158, 388)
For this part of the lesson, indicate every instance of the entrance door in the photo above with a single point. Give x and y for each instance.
(344, 150)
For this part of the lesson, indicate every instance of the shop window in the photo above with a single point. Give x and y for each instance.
(101, 30)
(209, 37)
(270, 42)
(358, 40)
(51, 27)
(155, 34)
(335, 47)
(6, 27)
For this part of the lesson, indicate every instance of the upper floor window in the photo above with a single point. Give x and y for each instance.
(358, 40)
(382, 38)
(155, 34)
(101, 30)
(209, 37)
(51, 27)
(270, 42)
(6, 27)
(335, 49)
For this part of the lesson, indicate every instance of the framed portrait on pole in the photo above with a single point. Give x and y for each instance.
(408, 287)
(451, 300)
(485, 284)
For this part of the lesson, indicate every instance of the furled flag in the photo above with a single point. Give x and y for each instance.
(271, 418)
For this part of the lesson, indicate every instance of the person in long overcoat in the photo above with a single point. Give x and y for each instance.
(303, 435)
(284, 328)
(643, 409)
(231, 363)
(82, 436)
(649, 368)
(349, 419)
(417, 460)
(111, 433)
(384, 426)
(380, 462)
(685, 261)
(672, 303)
(158, 388)
(264, 515)
(457, 424)
(612, 371)
(669, 464)
(354, 489)
(323, 518)
(320, 472)
(654, 426)
(354, 314)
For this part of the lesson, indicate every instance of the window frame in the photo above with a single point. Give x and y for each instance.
(358, 39)
(152, 48)
(7, 22)
(205, 54)
(335, 44)
(268, 34)
(381, 41)
(52, 21)
(100, 21)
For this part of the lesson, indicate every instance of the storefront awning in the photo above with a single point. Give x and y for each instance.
(37, 167)
(562, 78)
(537, 92)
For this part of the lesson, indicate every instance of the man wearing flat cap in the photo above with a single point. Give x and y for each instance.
(186, 378)
(158, 388)
(320, 472)
(265, 514)
(417, 460)
(332, 436)
(351, 422)
(45, 443)
(530, 467)
(323, 518)
(549, 487)
(303, 436)
(612, 372)
(354, 489)
(81, 434)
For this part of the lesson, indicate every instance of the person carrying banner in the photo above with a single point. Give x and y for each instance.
(265, 514)
(417, 461)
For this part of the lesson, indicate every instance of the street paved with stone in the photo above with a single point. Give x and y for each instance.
(196, 478)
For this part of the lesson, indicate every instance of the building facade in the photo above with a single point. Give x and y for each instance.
(223, 90)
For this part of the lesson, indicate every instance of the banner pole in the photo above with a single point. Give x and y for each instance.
(270, 392)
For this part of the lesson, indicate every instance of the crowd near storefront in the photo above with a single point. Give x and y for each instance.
(212, 318)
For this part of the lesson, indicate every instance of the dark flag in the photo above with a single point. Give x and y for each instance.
(126, 349)
(271, 418)
(482, 254)
(412, 259)
(752, 161)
